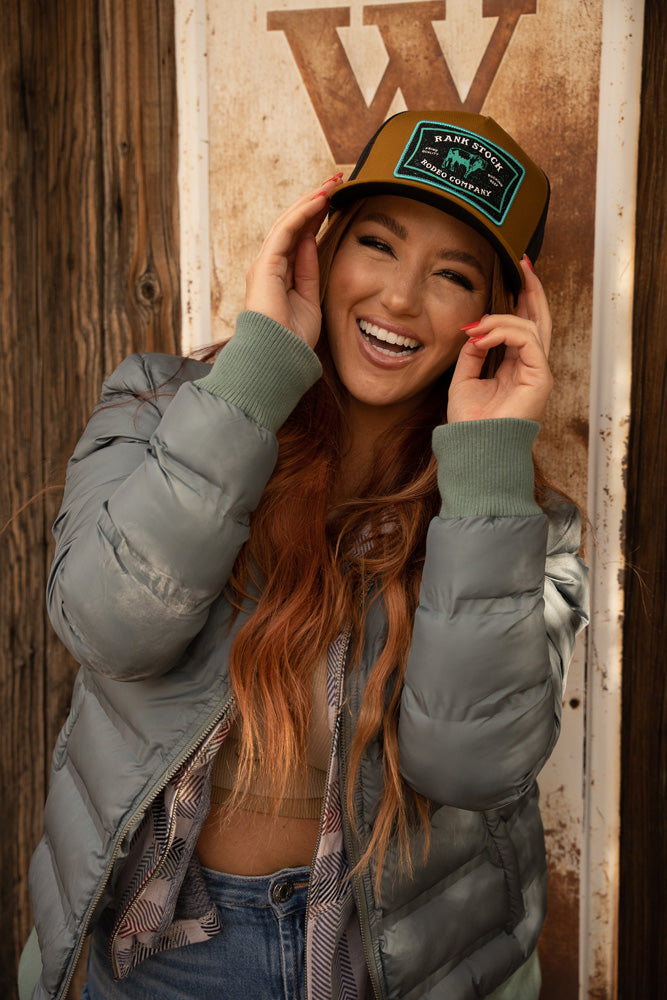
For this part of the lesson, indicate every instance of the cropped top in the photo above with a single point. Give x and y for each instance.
(305, 788)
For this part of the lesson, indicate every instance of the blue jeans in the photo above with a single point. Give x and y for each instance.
(259, 953)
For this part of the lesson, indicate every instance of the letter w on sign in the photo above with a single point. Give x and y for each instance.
(416, 64)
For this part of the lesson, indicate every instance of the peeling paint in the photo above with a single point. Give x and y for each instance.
(559, 960)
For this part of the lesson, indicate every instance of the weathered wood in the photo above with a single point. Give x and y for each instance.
(22, 679)
(88, 272)
(643, 916)
(139, 123)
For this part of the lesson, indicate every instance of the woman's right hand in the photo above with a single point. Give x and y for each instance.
(283, 281)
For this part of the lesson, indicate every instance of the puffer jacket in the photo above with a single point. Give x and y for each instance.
(158, 497)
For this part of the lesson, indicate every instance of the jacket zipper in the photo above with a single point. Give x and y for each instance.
(347, 633)
(360, 882)
(168, 842)
(146, 801)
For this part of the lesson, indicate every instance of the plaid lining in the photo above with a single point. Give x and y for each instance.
(164, 902)
(335, 964)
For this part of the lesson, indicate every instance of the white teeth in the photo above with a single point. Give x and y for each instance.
(388, 336)
(391, 354)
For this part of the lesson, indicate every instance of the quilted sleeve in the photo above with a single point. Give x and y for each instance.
(158, 496)
(503, 596)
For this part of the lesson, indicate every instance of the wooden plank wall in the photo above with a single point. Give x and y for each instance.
(88, 274)
(643, 892)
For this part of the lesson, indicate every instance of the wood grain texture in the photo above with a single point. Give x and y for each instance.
(139, 136)
(88, 273)
(643, 920)
(22, 747)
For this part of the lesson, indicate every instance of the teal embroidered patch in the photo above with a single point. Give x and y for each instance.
(463, 163)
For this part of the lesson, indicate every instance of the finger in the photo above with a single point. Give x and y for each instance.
(519, 335)
(533, 305)
(306, 270)
(328, 187)
(499, 321)
(469, 363)
(307, 213)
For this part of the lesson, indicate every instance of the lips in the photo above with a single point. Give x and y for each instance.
(386, 341)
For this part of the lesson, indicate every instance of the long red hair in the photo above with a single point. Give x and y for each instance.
(317, 567)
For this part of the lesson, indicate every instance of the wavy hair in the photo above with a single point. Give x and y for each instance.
(318, 566)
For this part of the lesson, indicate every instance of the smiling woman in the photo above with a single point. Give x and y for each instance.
(405, 280)
(346, 603)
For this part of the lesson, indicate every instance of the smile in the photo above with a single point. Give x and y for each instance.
(395, 345)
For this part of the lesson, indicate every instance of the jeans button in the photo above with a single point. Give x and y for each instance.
(282, 891)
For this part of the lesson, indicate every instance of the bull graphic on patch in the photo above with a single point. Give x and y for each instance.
(457, 160)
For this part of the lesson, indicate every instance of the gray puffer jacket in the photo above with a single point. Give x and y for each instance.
(156, 508)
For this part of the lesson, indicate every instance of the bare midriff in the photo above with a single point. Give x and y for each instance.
(253, 843)
(269, 834)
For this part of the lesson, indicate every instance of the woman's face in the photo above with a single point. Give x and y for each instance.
(405, 279)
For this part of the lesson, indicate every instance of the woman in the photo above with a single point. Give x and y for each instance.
(321, 671)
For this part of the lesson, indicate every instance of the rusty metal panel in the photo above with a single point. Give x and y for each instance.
(295, 88)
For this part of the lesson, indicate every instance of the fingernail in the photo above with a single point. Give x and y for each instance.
(319, 195)
(471, 326)
(528, 262)
(336, 177)
(473, 340)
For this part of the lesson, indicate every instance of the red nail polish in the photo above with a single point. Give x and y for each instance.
(469, 326)
(319, 195)
(528, 262)
(336, 177)
(473, 340)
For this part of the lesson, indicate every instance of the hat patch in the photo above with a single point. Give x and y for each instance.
(464, 164)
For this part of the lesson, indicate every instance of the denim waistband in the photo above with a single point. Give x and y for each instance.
(259, 952)
(285, 891)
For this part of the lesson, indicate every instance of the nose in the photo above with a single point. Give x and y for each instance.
(402, 294)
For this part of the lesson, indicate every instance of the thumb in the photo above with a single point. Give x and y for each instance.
(306, 270)
(470, 362)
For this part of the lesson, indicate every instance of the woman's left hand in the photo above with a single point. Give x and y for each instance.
(523, 381)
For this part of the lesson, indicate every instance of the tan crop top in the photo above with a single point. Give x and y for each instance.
(305, 790)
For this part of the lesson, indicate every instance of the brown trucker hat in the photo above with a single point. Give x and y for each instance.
(463, 164)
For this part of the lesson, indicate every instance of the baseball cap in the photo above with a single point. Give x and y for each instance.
(464, 164)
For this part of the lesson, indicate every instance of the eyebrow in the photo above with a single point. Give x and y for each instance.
(395, 227)
(463, 257)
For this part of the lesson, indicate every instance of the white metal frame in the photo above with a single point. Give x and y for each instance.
(618, 130)
(191, 30)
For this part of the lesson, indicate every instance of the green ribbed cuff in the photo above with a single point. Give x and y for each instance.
(485, 468)
(264, 370)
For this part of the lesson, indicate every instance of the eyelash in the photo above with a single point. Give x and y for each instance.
(458, 278)
(377, 244)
